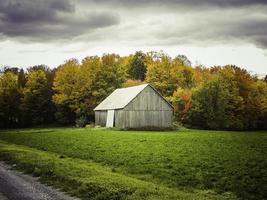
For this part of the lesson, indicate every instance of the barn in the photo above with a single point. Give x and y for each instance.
(135, 108)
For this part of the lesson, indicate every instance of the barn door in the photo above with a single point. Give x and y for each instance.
(110, 118)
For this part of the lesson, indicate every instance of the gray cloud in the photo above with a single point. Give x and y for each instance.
(25, 11)
(167, 22)
(253, 30)
(48, 19)
(197, 22)
(191, 3)
(220, 27)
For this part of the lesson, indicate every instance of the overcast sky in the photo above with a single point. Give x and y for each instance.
(208, 32)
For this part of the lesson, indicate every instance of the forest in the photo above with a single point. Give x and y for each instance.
(217, 98)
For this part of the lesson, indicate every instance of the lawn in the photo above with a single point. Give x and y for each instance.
(111, 164)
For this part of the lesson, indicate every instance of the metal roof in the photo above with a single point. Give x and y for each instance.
(122, 97)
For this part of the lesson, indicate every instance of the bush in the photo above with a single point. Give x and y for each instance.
(81, 121)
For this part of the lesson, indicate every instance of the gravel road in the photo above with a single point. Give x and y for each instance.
(15, 185)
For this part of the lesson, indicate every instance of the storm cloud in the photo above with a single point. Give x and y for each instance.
(191, 3)
(49, 19)
(215, 27)
(16, 12)
(138, 22)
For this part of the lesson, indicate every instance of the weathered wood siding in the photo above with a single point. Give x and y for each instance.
(100, 117)
(147, 110)
(148, 99)
(143, 119)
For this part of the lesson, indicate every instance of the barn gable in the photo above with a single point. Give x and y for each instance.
(148, 99)
(121, 98)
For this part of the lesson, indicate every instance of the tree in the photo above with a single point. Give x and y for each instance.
(182, 76)
(90, 68)
(21, 79)
(137, 66)
(9, 100)
(183, 60)
(182, 103)
(220, 97)
(216, 105)
(159, 74)
(13, 70)
(50, 73)
(109, 77)
(256, 106)
(36, 102)
(80, 87)
(130, 83)
(65, 86)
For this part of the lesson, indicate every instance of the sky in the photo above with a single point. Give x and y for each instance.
(208, 32)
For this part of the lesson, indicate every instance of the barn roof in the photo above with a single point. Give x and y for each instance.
(121, 97)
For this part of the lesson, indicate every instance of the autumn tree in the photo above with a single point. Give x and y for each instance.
(220, 97)
(80, 87)
(215, 104)
(159, 74)
(109, 77)
(130, 83)
(182, 103)
(65, 88)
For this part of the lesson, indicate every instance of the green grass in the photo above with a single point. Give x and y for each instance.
(89, 180)
(187, 164)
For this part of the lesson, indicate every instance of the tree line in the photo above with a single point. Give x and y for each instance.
(220, 97)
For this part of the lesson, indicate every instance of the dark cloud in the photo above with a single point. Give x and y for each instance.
(253, 30)
(191, 3)
(48, 19)
(183, 22)
(25, 11)
(217, 28)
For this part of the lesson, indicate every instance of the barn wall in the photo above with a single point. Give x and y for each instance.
(100, 117)
(147, 110)
(148, 99)
(143, 119)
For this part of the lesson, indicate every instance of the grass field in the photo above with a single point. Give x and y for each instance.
(110, 164)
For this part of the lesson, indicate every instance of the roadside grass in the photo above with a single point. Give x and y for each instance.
(186, 160)
(89, 180)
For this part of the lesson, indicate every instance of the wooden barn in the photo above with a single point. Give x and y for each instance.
(135, 107)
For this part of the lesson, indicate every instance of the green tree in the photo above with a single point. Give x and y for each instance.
(9, 100)
(109, 77)
(137, 66)
(256, 106)
(160, 74)
(36, 102)
(21, 78)
(182, 76)
(216, 105)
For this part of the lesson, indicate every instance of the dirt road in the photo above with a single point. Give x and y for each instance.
(15, 185)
